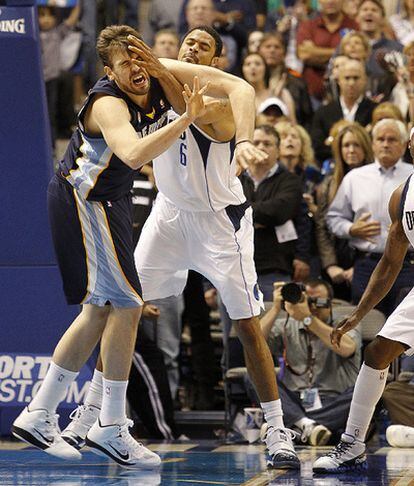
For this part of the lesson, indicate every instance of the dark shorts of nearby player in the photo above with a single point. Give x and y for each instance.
(94, 247)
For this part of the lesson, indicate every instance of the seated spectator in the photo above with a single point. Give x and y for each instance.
(384, 110)
(166, 44)
(403, 22)
(272, 110)
(361, 216)
(296, 154)
(256, 73)
(353, 105)
(253, 41)
(402, 94)
(285, 20)
(317, 40)
(371, 19)
(275, 195)
(162, 15)
(125, 14)
(52, 34)
(317, 379)
(231, 18)
(355, 45)
(273, 51)
(331, 78)
(351, 149)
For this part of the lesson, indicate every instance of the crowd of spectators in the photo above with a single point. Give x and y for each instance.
(335, 100)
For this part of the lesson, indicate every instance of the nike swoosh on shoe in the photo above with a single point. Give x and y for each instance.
(125, 457)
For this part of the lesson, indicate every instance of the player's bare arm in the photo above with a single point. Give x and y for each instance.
(112, 117)
(385, 273)
(218, 121)
(240, 93)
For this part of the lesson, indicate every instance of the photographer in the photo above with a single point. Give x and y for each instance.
(316, 381)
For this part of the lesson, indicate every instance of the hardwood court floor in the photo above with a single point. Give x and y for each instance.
(197, 464)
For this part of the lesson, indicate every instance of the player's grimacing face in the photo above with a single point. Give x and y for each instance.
(198, 47)
(130, 78)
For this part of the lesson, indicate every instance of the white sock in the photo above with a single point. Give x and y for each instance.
(303, 422)
(53, 388)
(94, 395)
(113, 410)
(369, 387)
(273, 413)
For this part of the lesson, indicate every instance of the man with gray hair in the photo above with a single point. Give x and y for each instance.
(397, 334)
(359, 211)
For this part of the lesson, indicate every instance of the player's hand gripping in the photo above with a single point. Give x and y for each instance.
(246, 154)
(342, 328)
(194, 102)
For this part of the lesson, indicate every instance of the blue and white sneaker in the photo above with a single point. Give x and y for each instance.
(41, 429)
(115, 442)
(348, 455)
(279, 447)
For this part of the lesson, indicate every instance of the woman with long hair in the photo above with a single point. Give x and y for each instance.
(351, 149)
(256, 72)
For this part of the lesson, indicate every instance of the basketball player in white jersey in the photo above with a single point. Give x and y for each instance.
(395, 338)
(201, 221)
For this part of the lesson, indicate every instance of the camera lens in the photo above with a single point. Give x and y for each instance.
(292, 292)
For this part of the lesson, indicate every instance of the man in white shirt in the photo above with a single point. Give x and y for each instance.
(359, 210)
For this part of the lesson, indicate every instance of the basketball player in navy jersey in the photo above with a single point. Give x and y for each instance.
(201, 221)
(395, 338)
(122, 125)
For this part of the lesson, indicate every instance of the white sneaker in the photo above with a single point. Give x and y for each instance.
(40, 429)
(315, 434)
(116, 442)
(279, 446)
(348, 455)
(400, 436)
(83, 418)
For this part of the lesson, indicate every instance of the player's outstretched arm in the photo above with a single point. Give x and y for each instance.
(385, 273)
(112, 116)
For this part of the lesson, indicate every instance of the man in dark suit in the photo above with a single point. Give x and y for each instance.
(352, 105)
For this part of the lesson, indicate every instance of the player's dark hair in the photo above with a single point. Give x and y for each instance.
(213, 33)
(111, 37)
(270, 130)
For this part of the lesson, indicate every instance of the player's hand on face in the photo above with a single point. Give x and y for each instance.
(195, 106)
(146, 58)
(246, 154)
(342, 328)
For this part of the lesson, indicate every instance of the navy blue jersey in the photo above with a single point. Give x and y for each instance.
(89, 165)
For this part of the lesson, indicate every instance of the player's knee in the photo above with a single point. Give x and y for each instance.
(248, 330)
(377, 355)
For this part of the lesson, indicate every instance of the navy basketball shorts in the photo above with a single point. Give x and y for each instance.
(94, 247)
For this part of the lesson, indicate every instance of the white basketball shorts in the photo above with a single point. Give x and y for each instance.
(217, 245)
(400, 325)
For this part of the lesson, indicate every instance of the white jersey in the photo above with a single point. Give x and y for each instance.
(198, 173)
(407, 210)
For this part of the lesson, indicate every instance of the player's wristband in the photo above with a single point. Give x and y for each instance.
(242, 141)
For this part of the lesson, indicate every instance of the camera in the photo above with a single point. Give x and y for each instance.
(292, 292)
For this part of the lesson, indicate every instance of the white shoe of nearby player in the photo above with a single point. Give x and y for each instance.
(40, 429)
(83, 417)
(400, 436)
(348, 455)
(116, 442)
(315, 434)
(279, 446)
